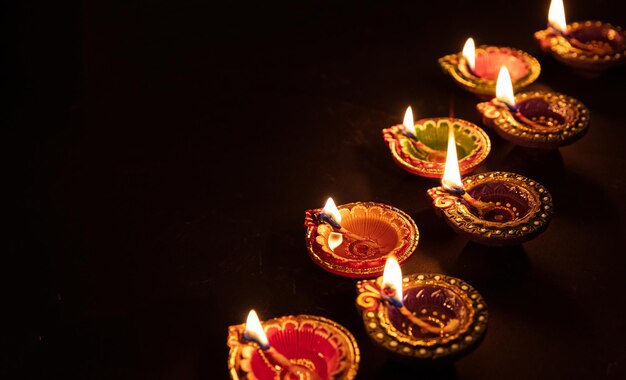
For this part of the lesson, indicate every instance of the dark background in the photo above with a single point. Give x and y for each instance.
(160, 156)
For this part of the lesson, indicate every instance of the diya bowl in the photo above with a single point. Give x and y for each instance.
(434, 298)
(319, 344)
(522, 208)
(589, 46)
(472, 144)
(523, 68)
(544, 120)
(387, 229)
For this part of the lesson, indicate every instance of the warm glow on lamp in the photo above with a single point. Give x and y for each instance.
(469, 52)
(556, 16)
(331, 209)
(254, 330)
(504, 87)
(409, 123)
(334, 240)
(392, 280)
(451, 180)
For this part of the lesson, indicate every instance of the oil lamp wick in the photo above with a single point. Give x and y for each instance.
(389, 292)
(417, 144)
(459, 191)
(324, 217)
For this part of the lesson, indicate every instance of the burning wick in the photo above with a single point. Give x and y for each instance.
(556, 21)
(469, 52)
(391, 292)
(505, 98)
(409, 131)
(254, 333)
(451, 180)
(330, 214)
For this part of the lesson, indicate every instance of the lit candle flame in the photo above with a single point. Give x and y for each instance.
(334, 240)
(451, 179)
(469, 52)
(331, 209)
(504, 87)
(254, 330)
(556, 15)
(409, 123)
(392, 278)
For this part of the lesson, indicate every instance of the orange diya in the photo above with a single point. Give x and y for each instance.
(476, 69)
(495, 208)
(590, 47)
(354, 239)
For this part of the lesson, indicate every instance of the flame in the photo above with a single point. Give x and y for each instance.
(392, 278)
(469, 52)
(334, 240)
(331, 209)
(451, 175)
(504, 87)
(254, 330)
(556, 15)
(409, 123)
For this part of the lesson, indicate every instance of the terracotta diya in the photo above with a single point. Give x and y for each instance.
(425, 316)
(495, 208)
(588, 46)
(420, 148)
(354, 239)
(476, 69)
(536, 119)
(292, 347)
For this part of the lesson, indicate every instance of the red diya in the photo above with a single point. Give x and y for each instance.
(537, 119)
(354, 239)
(496, 208)
(420, 148)
(292, 348)
(588, 46)
(424, 316)
(476, 70)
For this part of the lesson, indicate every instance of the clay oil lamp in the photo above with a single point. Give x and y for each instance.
(420, 148)
(476, 69)
(590, 47)
(276, 349)
(354, 239)
(536, 119)
(424, 316)
(495, 208)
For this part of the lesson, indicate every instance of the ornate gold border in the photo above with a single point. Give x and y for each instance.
(351, 357)
(379, 328)
(509, 128)
(462, 220)
(554, 43)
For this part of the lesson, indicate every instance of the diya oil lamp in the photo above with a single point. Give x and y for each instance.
(426, 316)
(495, 208)
(537, 119)
(420, 148)
(302, 347)
(354, 239)
(588, 46)
(476, 69)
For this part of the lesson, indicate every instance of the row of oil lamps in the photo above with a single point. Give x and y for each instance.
(432, 316)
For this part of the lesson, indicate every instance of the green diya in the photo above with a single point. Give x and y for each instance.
(420, 148)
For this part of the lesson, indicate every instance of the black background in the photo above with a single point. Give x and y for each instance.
(160, 156)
